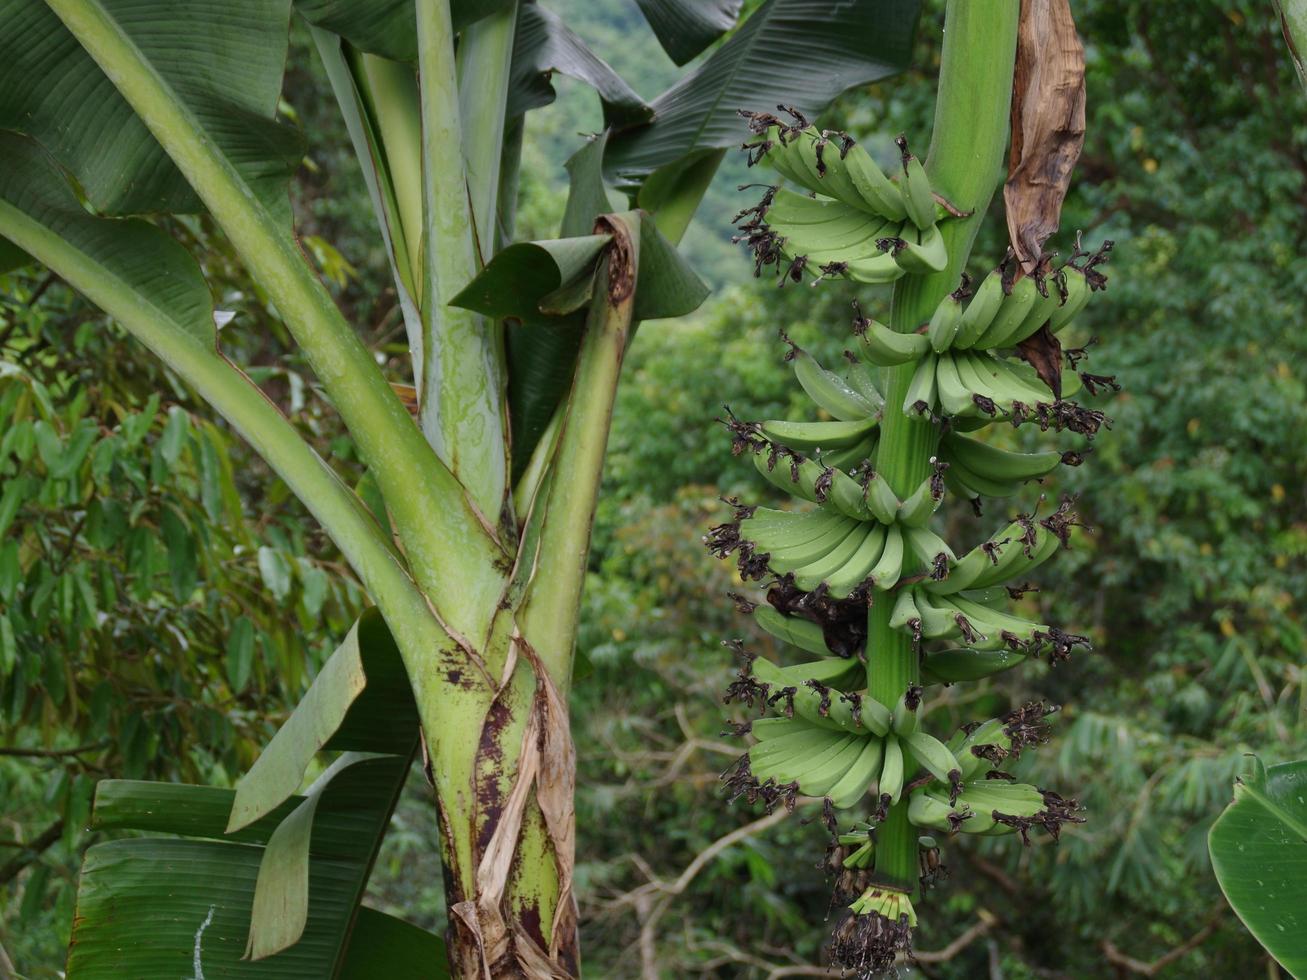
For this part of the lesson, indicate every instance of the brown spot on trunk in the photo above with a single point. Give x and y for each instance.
(490, 754)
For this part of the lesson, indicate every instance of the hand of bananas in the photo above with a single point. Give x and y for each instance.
(862, 224)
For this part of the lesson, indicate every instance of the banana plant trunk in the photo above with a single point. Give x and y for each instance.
(509, 844)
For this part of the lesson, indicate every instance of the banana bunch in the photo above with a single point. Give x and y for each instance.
(965, 385)
(828, 728)
(840, 745)
(862, 224)
(855, 405)
(1000, 315)
(830, 550)
(985, 800)
(961, 375)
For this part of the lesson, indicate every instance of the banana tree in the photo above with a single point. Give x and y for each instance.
(471, 530)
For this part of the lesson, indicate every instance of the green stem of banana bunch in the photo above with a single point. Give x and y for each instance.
(965, 166)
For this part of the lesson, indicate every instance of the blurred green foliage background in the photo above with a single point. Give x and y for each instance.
(164, 602)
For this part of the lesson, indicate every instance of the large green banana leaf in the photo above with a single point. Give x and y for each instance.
(1259, 853)
(261, 883)
(686, 27)
(542, 45)
(385, 27)
(223, 58)
(794, 52)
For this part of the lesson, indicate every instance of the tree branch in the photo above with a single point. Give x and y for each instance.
(31, 851)
(14, 750)
(1125, 962)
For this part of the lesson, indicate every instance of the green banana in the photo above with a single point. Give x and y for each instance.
(955, 665)
(981, 310)
(980, 561)
(826, 169)
(776, 470)
(880, 498)
(814, 573)
(828, 389)
(859, 378)
(890, 782)
(994, 621)
(920, 252)
(1075, 297)
(938, 621)
(983, 486)
(873, 186)
(955, 398)
(927, 546)
(854, 456)
(847, 496)
(996, 463)
(917, 509)
(1046, 303)
(945, 322)
(925, 810)
(808, 703)
(807, 436)
(991, 378)
(884, 347)
(776, 726)
(786, 763)
(802, 633)
(932, 754)
(1019, 557)
(1018, 302)
(920, 398)
(799, 556)
(856, 570)
(904, 613)
(768, 528)
(918, 201)
(852, 786)
(818, 779)
(841, 673)
(881, 268)
(906, 714)
(889, 568)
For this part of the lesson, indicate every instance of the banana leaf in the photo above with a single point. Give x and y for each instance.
(1259, 853)
(386, 27)
(543, 45)
(797, 52)
(223, 58)
(685, 27)
(261, 882)
(161, 908)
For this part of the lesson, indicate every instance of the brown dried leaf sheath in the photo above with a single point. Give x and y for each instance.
(1042, 351)
(1048, 125)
